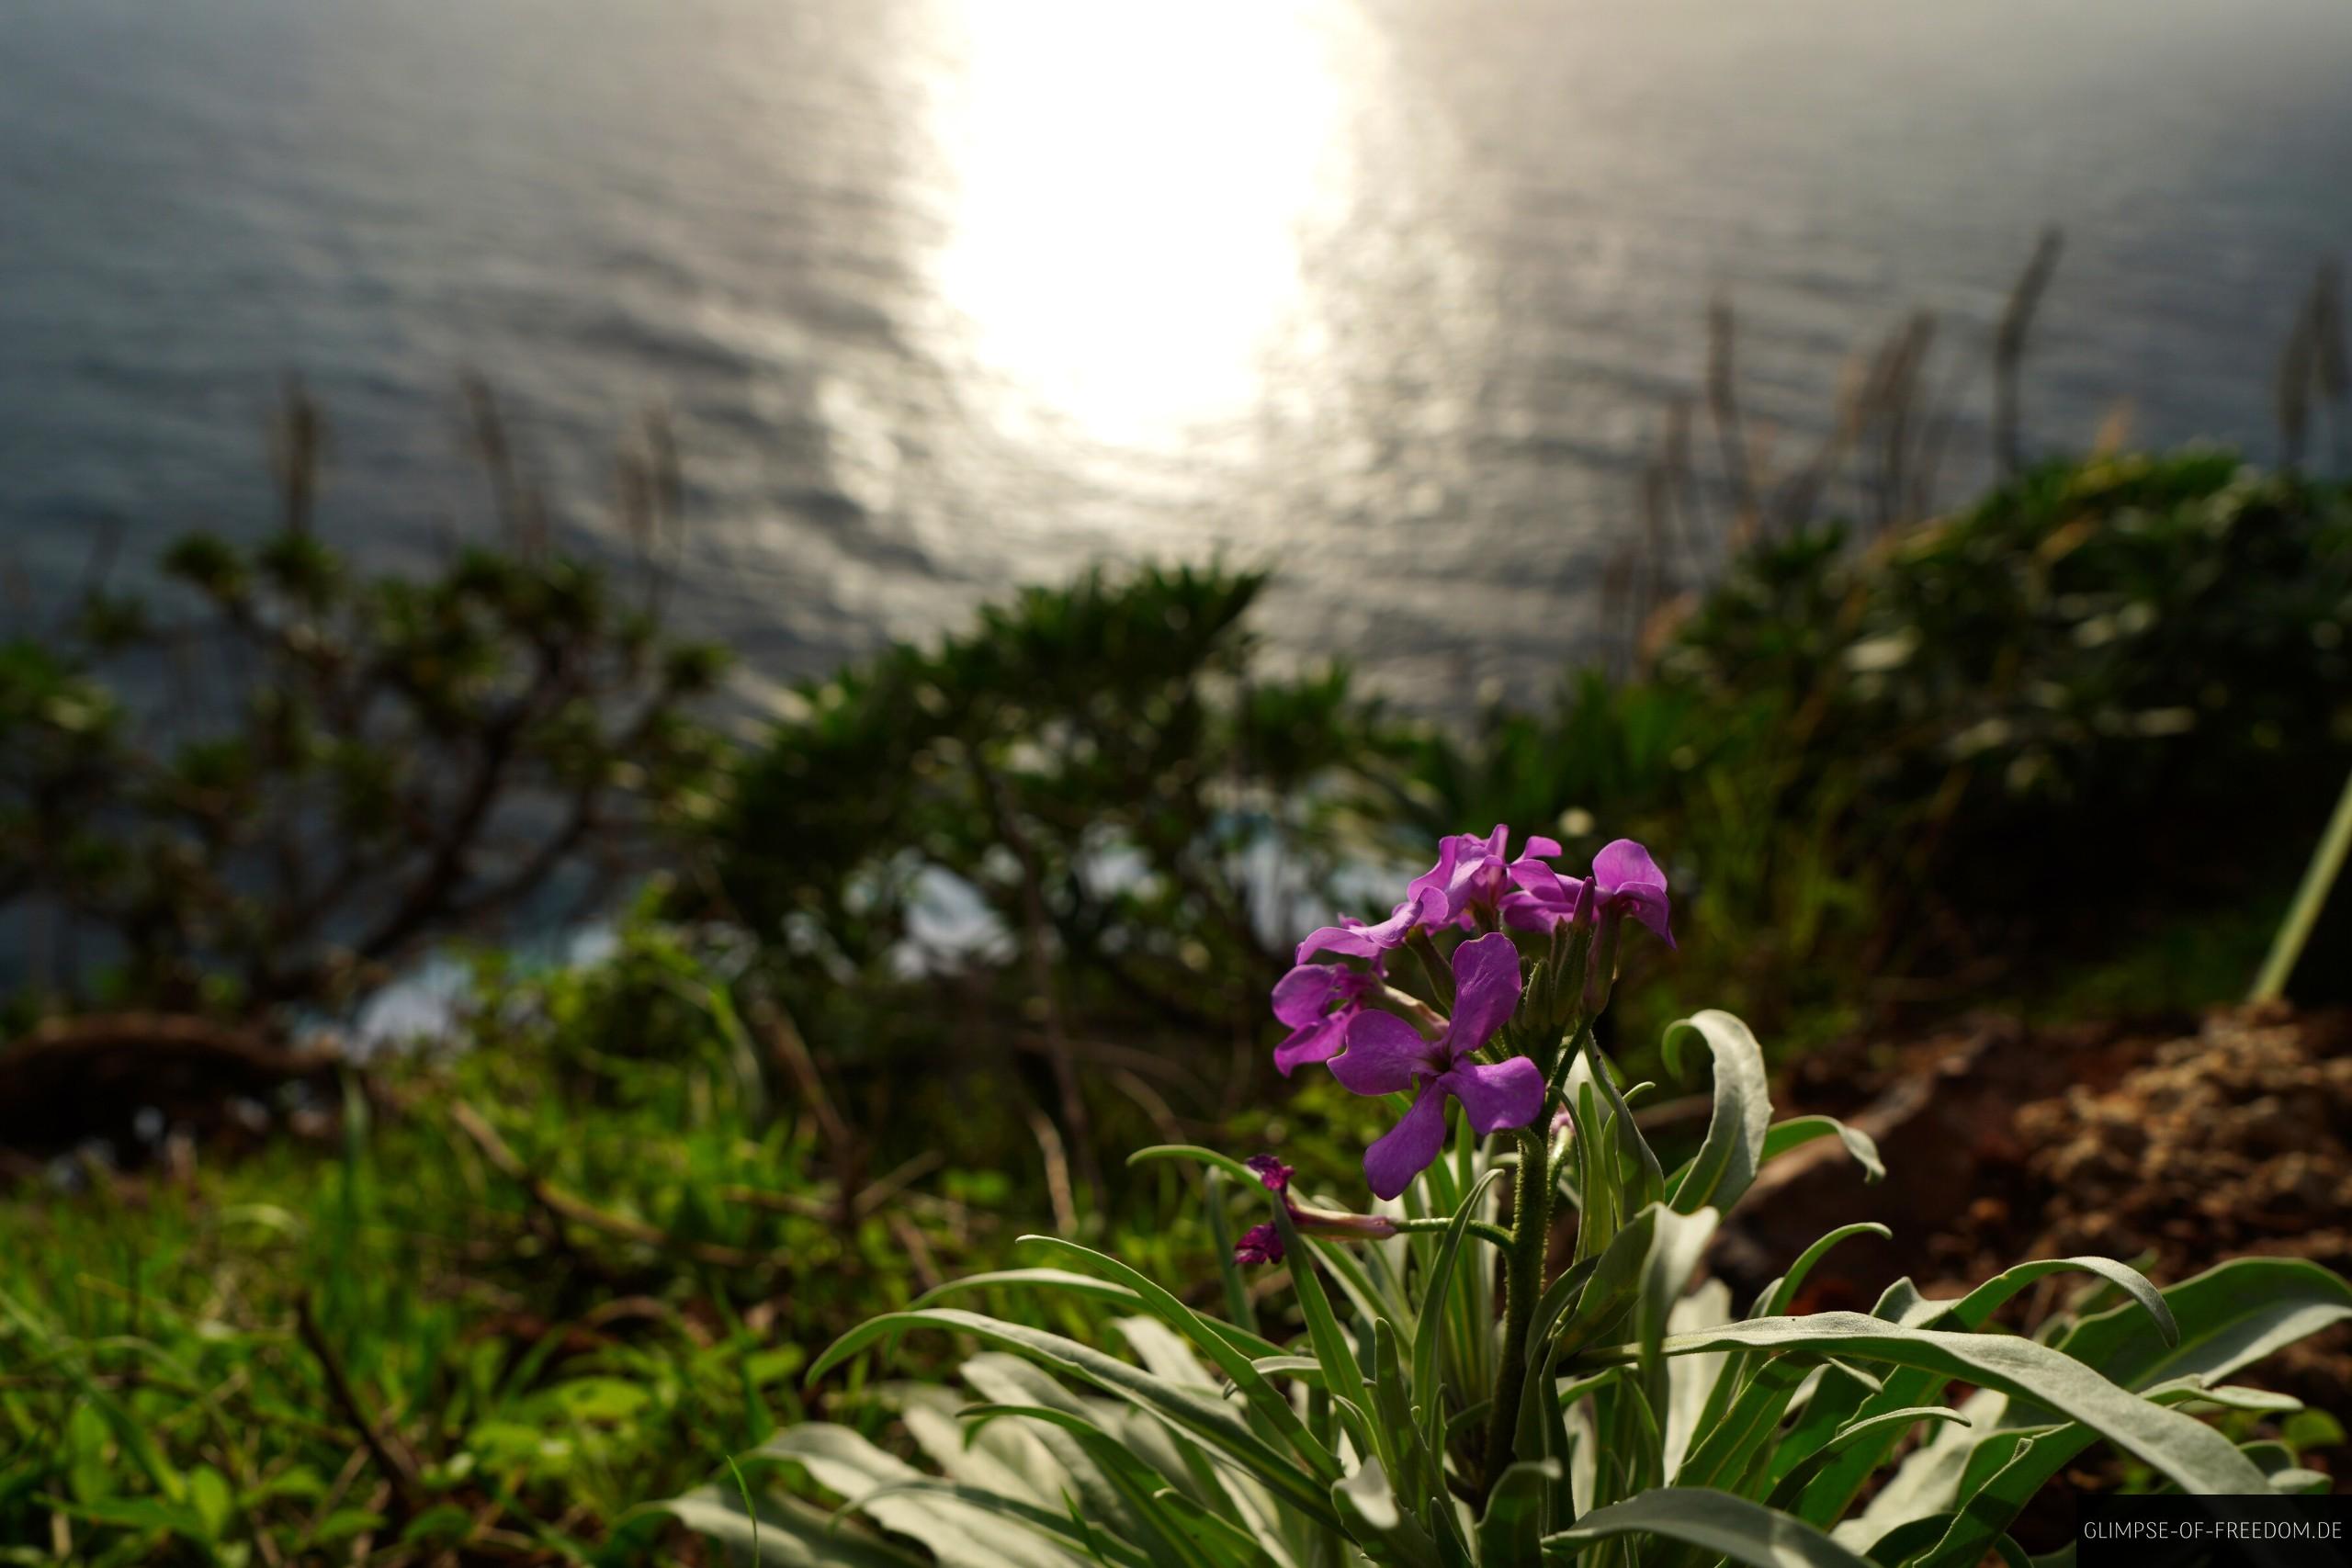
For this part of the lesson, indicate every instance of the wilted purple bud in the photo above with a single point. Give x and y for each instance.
(1259, 1244)
(1272, 1172)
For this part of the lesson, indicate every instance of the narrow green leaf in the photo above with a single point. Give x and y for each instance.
(1733, 1150)
(1511, 1529)
(2186, 1450)
(2228, 1317)
(1798, 1130)
(1717, 1522)
(1379, 1528)
(1784, 1289)
(1973, 1310)
(1209, 1419)
(1203, 1335)
(1437, 1291)
(1216, 1158)
(1342, 1376)
(1895, 1423)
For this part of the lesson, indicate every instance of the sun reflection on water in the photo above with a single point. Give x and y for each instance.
(1130, 186)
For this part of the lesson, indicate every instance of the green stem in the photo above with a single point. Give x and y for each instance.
(1530, 1232)
(1566, 1060)
(2310, 898)
(1479, 1228)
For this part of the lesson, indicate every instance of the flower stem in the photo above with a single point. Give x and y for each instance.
(1479, 1228)
(1530, 1234)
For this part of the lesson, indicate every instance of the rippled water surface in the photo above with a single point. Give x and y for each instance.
(945, 294)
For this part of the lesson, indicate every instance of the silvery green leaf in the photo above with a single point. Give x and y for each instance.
(2229, 1317)
(1717, 1522)
(1733, 1149)
(785, 1532)
(2183, 1450)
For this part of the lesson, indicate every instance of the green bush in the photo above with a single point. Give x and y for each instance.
(377, 764)
(1986, 747)
(1118, 807)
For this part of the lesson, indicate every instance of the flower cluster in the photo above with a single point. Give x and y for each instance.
(1379, 1039)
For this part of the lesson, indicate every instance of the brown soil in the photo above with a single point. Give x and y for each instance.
(2172, 1148)
(2230, 1142)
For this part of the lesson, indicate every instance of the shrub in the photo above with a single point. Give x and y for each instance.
(327, 771)
(1084, 821)
(1878, 761)
(1423, 1414)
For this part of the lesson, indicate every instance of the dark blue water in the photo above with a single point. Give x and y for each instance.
(944, 294)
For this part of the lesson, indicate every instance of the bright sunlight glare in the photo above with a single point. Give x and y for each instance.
(1130, 185)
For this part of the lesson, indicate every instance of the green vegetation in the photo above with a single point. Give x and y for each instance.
(1398, 1426)
(922, 962)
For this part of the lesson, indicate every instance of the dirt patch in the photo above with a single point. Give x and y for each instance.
(2171, 1148)
(2235, 1141)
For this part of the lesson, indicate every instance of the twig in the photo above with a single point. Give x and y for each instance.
(1154, 1105)
(897, 1181)
(790, 1052)
(1049, 1143)
(1041, 972)
(1722, 404)
(2008, 350)
(919, 1255)
(391, 1455)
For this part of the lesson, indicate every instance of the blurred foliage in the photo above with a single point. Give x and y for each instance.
(347, 768)
(535, 1351)
(1968, 754)
(1082, 832)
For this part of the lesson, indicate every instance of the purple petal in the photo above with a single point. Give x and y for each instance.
(1524, 912)
(1631, 880)
(1304, 995)
(1259, 1244)
(1648, 906)
(1538, 845)
(1318, 1042)
(1545, 899)
(1360, 941)
(1534, 877)
(1427, 890)
(1385, 1055)
(1478, 872)
(1348, 941)
(1505, 1094)
(1272, 1172)
(1405, 1150)
(1485, 990)
(1623, 866)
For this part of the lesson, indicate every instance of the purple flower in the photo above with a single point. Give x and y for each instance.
(1304, 1000)
(1263, 1243)
(1385, 1055)
(1624, 880)
(1470, 874)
